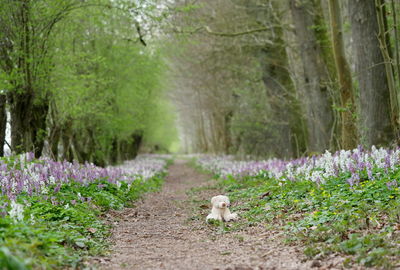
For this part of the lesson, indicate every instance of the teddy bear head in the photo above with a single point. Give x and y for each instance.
(220, 201)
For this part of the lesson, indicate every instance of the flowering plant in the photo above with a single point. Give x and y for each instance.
(58, 204)
(356, 164)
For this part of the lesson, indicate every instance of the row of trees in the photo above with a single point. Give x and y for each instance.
(78, 80)
(285, 78)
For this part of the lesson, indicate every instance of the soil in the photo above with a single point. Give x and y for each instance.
(167, 230)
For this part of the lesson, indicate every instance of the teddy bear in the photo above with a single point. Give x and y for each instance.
(220, 210)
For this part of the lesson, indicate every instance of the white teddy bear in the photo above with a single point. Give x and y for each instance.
(220, 210)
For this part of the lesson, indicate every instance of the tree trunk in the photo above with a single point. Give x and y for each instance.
(204, 147)
(275, 78)
(66, 142)
(316, 97)
(38, 127)
(135, 144)
(20, 111)
(213, 129)
(295, 69)
(54, 139)
(3, 123)
(228, 139)
(28, 116)
(348, 129)
(28, 123)
(376, 128)
(384, 41)
(114, 156)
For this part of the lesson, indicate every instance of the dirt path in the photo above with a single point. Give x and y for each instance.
(167, 230)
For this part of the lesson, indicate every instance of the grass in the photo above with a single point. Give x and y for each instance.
(361, 222)
(59, 230)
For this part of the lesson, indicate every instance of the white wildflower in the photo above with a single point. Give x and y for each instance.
(17, 211)
(52, 180)
(33, 221)
(316, 177)
(45, 190)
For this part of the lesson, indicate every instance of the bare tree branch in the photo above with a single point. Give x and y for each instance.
(222, 34)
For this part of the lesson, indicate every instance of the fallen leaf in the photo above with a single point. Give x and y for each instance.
(80, 244)
(266, 194)
(92, 230)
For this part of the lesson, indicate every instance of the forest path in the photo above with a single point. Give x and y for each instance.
(167, 230)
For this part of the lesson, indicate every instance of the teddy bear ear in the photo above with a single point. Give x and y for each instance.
(225, 198)
(213, 199)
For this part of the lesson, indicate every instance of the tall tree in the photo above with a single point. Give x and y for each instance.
(25, 31)
(238, 71)
(284, 113)
(3, 123)
(317, 100)
(348, 127)
(106, 87)
(374, 108)
(385, 46)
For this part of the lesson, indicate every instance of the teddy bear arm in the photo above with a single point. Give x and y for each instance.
(229, 216)
(215, 214)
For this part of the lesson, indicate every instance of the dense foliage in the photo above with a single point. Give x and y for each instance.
(79, 80)
(51, 211)
(90, 83)
(343, 203)
(285, 78)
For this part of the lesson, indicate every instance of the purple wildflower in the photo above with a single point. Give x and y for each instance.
(387, 163)
(57, 188)
(392, 184)
(54, 201)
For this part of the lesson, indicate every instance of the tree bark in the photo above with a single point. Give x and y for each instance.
(20, 109)
(3, 123)
(24, 48)
(275, 78)
(28, 123)
(136, 143)
(348, 127)
(38, 127)
(228, 139)
(316, 97)
(114, 156)
(384, 41)
(28, 113)
(66, 135)
(54, 139)
(374, 107)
